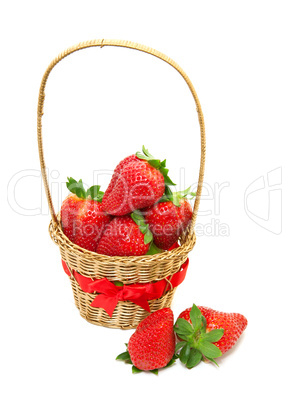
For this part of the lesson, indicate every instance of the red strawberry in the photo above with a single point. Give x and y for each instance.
(138, 182)
(169, 218)
(152, 345)
(123, 236)
(116, 174)
(82, 216)
(68, 213)
(206, 332)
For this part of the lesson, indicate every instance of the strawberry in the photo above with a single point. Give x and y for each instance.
(169, 218)
(125, 235)
(138, 182)
(82, 216)
(116, 174)
(232, 323)
(68, 213)
(152, 345)
(206, 333)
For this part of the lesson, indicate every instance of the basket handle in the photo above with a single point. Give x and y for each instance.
(130, 45)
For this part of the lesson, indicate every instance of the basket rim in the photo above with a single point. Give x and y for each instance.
(56, 233)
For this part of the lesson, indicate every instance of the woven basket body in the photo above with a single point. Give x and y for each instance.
(129, 270)
(126, 315)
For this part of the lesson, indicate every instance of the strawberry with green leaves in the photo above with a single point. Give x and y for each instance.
(152, 345)
(125, 235)
(170, 217)
(205, 333)
(83, 218)
(138, 182)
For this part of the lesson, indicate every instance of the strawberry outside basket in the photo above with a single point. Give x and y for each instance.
(149, 281)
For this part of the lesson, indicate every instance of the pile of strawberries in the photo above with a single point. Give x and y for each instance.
(137, 214)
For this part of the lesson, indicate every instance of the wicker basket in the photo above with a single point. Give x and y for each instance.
(129, 270)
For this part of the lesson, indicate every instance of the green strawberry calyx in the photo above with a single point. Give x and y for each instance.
(138, 218)
(125, 356)
(154, 249)
(176, 197)
(196, 344)
(76, 187)
(156, 163)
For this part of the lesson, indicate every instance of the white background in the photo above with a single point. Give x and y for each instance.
(102, 105)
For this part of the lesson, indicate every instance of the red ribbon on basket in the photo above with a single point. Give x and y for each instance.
(110, 294)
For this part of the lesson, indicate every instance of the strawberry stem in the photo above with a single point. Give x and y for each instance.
(176, 197)
(196, 344)
(154, 249)
(138, 218)
(77, 188)
(156, 163)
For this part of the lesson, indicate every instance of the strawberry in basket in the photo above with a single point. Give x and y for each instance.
(126, 235)
(170, 217)
(138, 182)
(83, 218)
